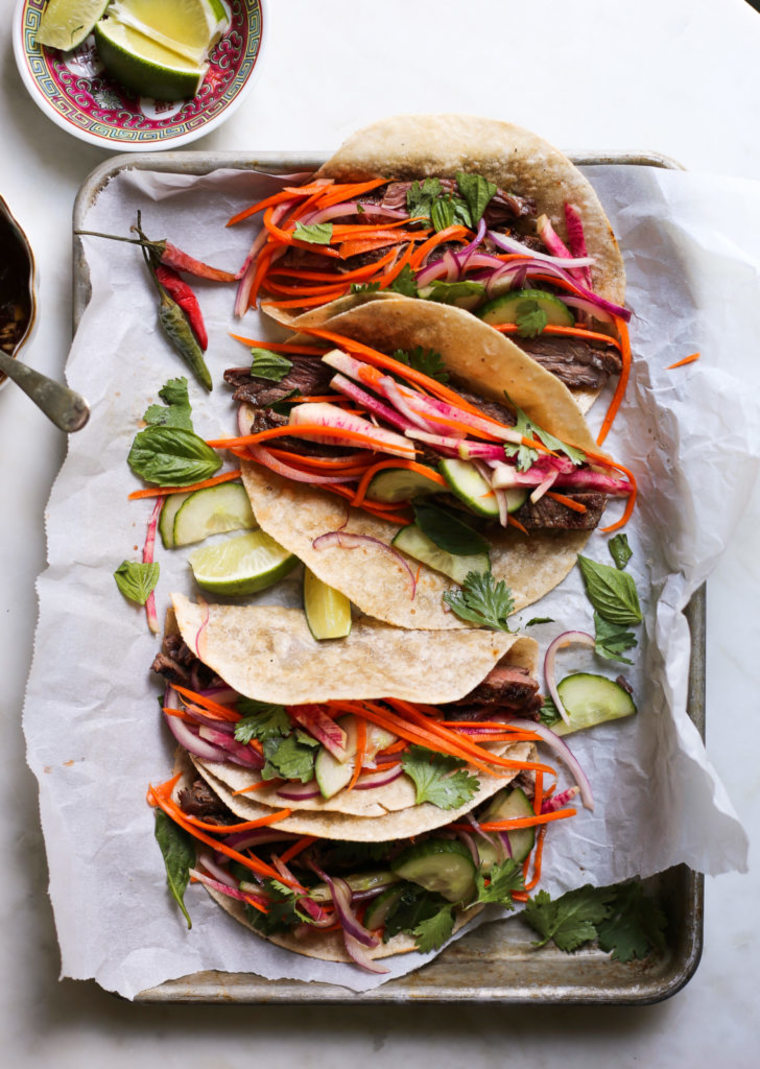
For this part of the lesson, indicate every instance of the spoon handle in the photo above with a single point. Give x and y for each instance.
(65, 408)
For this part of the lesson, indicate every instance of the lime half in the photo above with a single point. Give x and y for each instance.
(189, 27)
(241, 565)
(66, 23)
(145, 67)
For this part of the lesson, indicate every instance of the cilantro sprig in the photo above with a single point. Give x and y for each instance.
(428, 361)
(438, 779)
(482, 601)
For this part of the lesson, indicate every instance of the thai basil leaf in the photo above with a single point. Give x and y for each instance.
(611, 640)
(476, 192)
(136, 580)
(448, 532)
(314, 233)
(172, 456)
(451, 292)
(268, 365)
(611, 592)
(619, 549)
(179, 857)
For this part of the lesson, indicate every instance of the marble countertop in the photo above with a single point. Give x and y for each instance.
(678, 77)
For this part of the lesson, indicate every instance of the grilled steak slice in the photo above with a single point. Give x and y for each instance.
(198, 800)
(575, 361)
(506, 688)
(308, 376)
(177, 663)
(491, 409)
(549, 513)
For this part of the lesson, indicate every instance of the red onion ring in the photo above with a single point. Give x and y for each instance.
(347, 540)
(562, 750)
(298, 792)
(567, 638)
(368, 780)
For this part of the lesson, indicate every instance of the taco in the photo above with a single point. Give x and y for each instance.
(462, 433)
(457, 210)
(381, 734)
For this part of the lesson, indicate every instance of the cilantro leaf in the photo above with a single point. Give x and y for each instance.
(433, 932)
(414, 906)
(365, 287)
(420, 197)
(314, 233)
(175, 411)
(611, 592)
(439, 779)
(540, 620)
(476, 192)
(269, 365)
(634, 926)
(503, 880)
(612, 639)
(281, 914)
(448, 531)
(549, 713)
(428, 361)
(262, 721)
(569, 920)
(291, 758)
(404, 282)
(451, 292)
(482, 601)
(527, 456)
(136, 580)
(178, 852)
(619, 549)
(530, 319)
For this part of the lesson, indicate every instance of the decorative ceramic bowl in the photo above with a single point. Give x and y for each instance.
(17, 286)
(74, 91)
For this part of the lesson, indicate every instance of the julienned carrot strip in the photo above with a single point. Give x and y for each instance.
(304, 430)
(156, 796)
(258, 786)
(348, 191)
(358, 246)
(630, 505)
(262, 265)
(361, 748)
(287, 193)
(244, 825)
(512, 522)
(537, 858)
(411, 465)
(222, 711)
(304, 302)
(402, 518)
(329, 463)
(297, 848)
(350, 230)
(358, 274)
(551, 328)
(568, 502)
(282, 347)
(394, 270)
(682, 363)
(625, 352)
(449, 233)
(306, 291)
(527, 822)
(162, 491)
(395, 747)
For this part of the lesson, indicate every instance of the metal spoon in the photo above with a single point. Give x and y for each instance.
(63, 406)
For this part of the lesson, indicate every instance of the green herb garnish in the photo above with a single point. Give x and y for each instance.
(428, 361)
(619, 549)
(136, 580)
(404, 282)
(172, 456)
(175, 411)
(269, 365)
(611, 640)
(290, 758)
(503, 879)
(438, 778)
(261, 721)
(178, 853)
(530, 319)
(482, 601)
(476, 192)
(314, 233)
(451, 292)
(611, 592)
(448, 531)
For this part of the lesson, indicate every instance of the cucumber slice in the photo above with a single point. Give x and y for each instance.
(590, 699)
(333, 775)
(363, 881)
(509, 804)
(172, 504)
(506, 308)
(328, 611)
(400, 484)
(379, 908)
(215, 510)
(516, 499)
(414, 543)
(468, 484)
(441, 865)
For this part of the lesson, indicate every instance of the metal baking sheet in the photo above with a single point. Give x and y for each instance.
(497, 962)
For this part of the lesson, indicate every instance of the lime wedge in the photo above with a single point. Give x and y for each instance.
(328, 611)
(189, 27)
(145, 67)
(66, 23)
(241, 565)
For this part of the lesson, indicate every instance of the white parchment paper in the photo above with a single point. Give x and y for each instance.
(94, 736)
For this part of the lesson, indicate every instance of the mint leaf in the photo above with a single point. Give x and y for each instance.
(178, 853)
(448, 531)
(428, 361)
(451, 292)
(569, 920)
(136, 580)
(503, 879)
(611, 592)
(291, 758)
(433, 932)
(439, 779)
(442, 213)
(172, 456)
(611, 640)
(530, 319)
(634, 926)
(482, 601)
(404, 282)
(619, 549)
(476, 192)
(314, 233)
(262, 721)
(268, 365)
(175, 411)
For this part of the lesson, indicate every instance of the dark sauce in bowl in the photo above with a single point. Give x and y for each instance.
(16, 284)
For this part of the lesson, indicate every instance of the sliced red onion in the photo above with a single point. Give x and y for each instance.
(368, 401)
(396, 396)
(437, 270)
(268, 460)
(199, 716)
(368, 780)
(217, 871)
(223, 694)
(583, 304)
(558, 801)
(562, 750)
(547, 484)
(567, 638)
(147, 556)
(467, 839)
(347, 540)
(235, 751)
(341, 895)
(242, 840)
(299, 792)
(223, 887)
(463, 256)
(510, 244)
(185, 735)
(247, 273)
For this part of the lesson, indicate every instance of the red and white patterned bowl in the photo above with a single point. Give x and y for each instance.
(75, 92)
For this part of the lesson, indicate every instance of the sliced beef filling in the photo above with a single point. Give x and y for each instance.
(506, 689)
(177, 663)
(198, 800)
(307, 376)
(552, 514)
(576, 362)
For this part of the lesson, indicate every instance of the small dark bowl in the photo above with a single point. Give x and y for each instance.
(17, 273)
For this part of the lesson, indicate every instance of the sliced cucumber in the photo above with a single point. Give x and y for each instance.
(172, 504)
(214, 510)
(333, 775)
(590, 699)
(363, 881)
(441, 865)
(468, 484)
(380, 907)
(401, 484)
(414, 543)
(328, 611)
(506, 308)
(510, 804)
(515, 499)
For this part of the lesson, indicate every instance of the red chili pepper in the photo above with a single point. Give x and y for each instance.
(181, 261)
(181, 292)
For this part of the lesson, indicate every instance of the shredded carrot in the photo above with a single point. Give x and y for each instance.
(348, 190)
(682, 363)
(410, 465)
(625, 352)
(357, 274)
(303, 430)
(375, 509)
(162, 491)
(568, 502)
(449, 233)
(361, 749)
(552, 328)
(528, 822)
(245, 825)
(351, 230)
(337, 287)
(224, 712)
(288, 193)
(258, 786)
(512, 522)
(537, 858)
(281, 347)
(630, 505)
(296, 848)
(395, 747)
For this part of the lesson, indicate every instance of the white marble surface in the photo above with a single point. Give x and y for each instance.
(679, 77)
